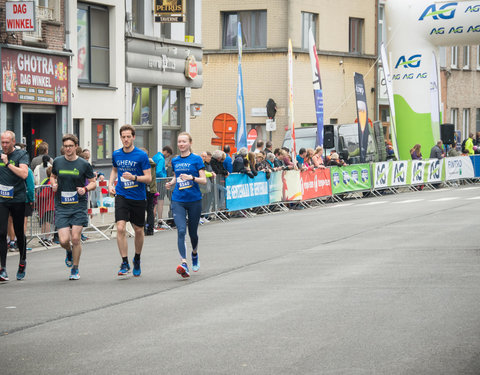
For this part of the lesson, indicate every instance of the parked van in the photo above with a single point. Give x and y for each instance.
(345, 140)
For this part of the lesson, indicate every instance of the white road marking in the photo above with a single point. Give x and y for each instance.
(473, 198)
(444, 199)
(11, 307)
(372, 203)
(409, 201)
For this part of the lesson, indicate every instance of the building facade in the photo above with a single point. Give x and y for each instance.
(36, 75)
(460, 81)
(345, 33)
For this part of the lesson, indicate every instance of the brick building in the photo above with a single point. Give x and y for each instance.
(345, 33)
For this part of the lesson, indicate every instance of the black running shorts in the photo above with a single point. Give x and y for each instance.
(130, 210)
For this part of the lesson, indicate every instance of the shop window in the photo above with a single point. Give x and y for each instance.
(254, 29)
(356, 35)
(142, 106)
(102, 133)
(309, 21)
(93, 44)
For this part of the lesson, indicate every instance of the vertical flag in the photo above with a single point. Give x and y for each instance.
(388, 85)
(242, 127)
(317, 87)
(291, 121)
(434, 97)
(362, 115)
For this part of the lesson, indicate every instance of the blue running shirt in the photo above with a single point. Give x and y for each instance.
(187, 191)
(134, 162)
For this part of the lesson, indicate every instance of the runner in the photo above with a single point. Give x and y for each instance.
(133, 168)
(187, 198)
(13, 172)
(69, 174)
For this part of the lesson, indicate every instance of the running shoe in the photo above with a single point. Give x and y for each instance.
(136, 268)
(195, 263)
(12, 246)
(3, 275)
(83, 237)
(21, 270)
(182, 270)
(69, 259)
(124, 269)
(74, 274)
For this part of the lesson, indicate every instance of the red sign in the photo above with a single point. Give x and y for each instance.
(191, 67)
(251, 136)
(20, 16)
(34, 78)
(316, 183)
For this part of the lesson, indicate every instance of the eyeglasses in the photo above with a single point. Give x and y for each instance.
(68, 146)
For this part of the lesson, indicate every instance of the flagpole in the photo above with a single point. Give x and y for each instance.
(290, 97)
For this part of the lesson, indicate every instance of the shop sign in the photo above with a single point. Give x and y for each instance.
(169, 10)
(34, 78)
(20, 16)
(163, 64)
(191, 67)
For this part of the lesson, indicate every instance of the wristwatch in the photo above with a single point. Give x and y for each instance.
(136, 178)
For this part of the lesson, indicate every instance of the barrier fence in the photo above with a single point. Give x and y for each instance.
(277, 190)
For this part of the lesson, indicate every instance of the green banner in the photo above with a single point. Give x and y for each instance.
(351, 178)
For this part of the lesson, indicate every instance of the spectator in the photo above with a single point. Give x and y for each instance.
(437, 151)
(317, 158)
(251, 163)
(40, 171)
(286, 159)
(259, 146)
(151, 191)
(268, 147)
(86, 154)
(308, 163)
(46, 208)
(469, 144)
(240, 164)
(271, 160)
(42, 149)
(228, 162)
(161, 173)
(207, 197)
(278, 162)
(416, 153)
(336, 161)
(453, 151)
(301, 156)
(218, 166)
(261, 164)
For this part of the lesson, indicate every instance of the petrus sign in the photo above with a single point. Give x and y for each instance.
(19, 16)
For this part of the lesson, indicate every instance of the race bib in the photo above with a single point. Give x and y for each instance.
(184, 184)
(6, 191)
(128, 184)
(69, 197)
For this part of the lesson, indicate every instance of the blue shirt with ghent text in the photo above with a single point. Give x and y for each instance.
(135, 162)
(187, 190)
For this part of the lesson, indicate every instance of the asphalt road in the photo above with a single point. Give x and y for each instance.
(387, 285)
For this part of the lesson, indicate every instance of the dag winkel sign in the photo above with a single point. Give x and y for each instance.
(169, 10)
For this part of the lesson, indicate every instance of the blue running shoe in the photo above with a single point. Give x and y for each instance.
(182, 270)
(21, 270)
(74, 274)
(69, 259)
(136, 268)
(3, 275)
(124, 269)
(195, 263)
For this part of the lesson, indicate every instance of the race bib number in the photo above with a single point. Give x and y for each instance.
(184, 184)
(128, 184)
(6, 191)
(69, 197)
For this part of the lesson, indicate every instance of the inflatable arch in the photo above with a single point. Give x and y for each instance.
(416, 28)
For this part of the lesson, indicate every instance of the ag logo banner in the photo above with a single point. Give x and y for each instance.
(434, 170)
(382, 173)
(444, 12)
(399, 173)
(418, 172)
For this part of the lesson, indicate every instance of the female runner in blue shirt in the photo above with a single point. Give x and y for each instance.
(187, 199)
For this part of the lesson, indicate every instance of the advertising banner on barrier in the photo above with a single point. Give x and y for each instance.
(245, 192)
(291, 190)
(433, 170)
(275, 187)
(350, 178)
(417, 172)
(458, 167)
(381, 174)
(399, 172)
(476, 165)
(315, 184)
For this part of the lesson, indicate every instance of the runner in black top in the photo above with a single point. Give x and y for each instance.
(13, 172)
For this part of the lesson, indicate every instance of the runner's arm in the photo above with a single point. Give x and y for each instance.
(111, 182)
(21, 171)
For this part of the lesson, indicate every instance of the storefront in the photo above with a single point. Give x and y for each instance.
(159, 79)
(35, 96)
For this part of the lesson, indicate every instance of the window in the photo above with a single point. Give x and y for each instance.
(170, 117)
(382, 29)
(102, 132)
(254, 29)
(442, 57)
(309, 20)
(466, 122)
(478, 57)
(138, 11)
(93, 44)
(141, 106)
(76, 129)
(466, 57)
(454, 57)
(478, 120)
(454, 117)
(356, 35)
